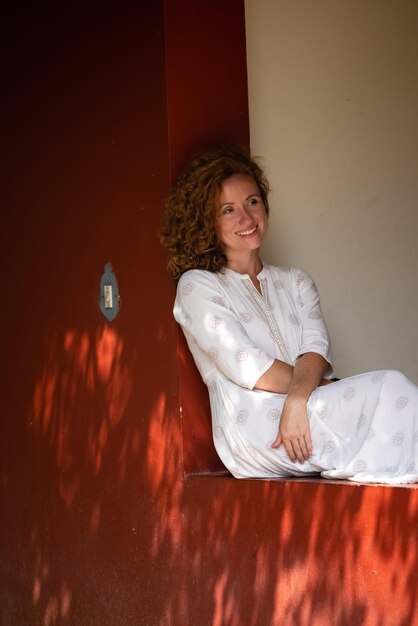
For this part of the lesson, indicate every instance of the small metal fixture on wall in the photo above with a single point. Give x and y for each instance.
(109, 300)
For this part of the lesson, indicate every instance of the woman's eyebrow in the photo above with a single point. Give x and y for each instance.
(247, 198)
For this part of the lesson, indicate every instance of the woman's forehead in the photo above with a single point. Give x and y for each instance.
(237, 186)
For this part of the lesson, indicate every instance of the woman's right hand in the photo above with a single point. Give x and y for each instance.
(294, 432)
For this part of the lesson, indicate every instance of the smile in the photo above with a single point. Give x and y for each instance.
(244, 233)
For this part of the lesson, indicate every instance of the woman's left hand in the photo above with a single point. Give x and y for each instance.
(294, 432)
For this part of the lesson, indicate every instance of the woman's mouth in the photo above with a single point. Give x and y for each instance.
(245, 233)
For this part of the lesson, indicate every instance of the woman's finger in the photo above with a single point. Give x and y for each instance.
(308, 442)
(298, 450)
(303, 449)
(289, 450)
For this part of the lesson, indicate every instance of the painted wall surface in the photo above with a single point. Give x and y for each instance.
(333, 110)
(283, 553)
(85, 166)
(92, 453)
(207, 104)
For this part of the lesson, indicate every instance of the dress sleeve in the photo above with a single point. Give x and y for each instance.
(205, 314)
(315, 336)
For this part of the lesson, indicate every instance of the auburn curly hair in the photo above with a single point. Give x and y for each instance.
(189, 231)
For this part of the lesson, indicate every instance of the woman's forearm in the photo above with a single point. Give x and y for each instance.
(299, 381)
(277, 378)
(308, 374)
(294, 431)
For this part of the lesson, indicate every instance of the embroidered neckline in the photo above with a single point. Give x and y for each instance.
(261, 274)
(262, 300)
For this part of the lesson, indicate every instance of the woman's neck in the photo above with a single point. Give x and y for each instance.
(250, 265)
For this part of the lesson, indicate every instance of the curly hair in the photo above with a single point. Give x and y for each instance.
(189, 231)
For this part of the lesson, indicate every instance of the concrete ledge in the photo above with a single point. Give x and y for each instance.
(300, 552)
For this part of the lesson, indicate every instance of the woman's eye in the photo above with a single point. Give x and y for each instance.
(226, 210)
(253, 202)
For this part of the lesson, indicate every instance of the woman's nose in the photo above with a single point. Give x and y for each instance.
(245, 215)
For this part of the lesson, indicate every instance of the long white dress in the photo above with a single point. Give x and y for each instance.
(363, 428)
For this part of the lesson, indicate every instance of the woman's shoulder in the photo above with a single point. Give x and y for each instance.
(198, 278)
(287, 275)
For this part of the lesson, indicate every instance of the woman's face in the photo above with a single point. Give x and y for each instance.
(242, 217)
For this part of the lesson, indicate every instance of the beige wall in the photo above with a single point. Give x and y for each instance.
(333, 89)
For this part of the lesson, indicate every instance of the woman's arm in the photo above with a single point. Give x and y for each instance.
(212, 327)
(277, 378)
(294, 432)
(282, 378)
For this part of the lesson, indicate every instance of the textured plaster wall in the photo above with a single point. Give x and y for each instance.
(334, 111)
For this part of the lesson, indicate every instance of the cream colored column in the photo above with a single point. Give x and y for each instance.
(333, 90)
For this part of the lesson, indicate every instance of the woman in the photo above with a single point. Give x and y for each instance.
(259, 340)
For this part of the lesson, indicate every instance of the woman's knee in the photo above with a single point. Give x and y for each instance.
(394, 378)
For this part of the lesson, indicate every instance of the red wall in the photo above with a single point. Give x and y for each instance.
(92, 448)
(101, 522)
(207, 102)
(84, 402)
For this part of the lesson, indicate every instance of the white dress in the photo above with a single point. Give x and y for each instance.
(363, 428)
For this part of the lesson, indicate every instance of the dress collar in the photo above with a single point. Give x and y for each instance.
(260, 276)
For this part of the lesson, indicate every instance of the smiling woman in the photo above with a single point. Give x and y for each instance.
(261, 345)
(242, 220)
(191, 229)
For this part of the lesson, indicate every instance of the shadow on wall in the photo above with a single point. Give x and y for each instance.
(86, 512)
(76, 421)
(112, 534)
(300, 553)
(65, 410)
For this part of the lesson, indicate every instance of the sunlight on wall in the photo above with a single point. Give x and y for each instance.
(305, 554)
(79, 399)
(56, 606)
(75, 372)
(164, 464)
